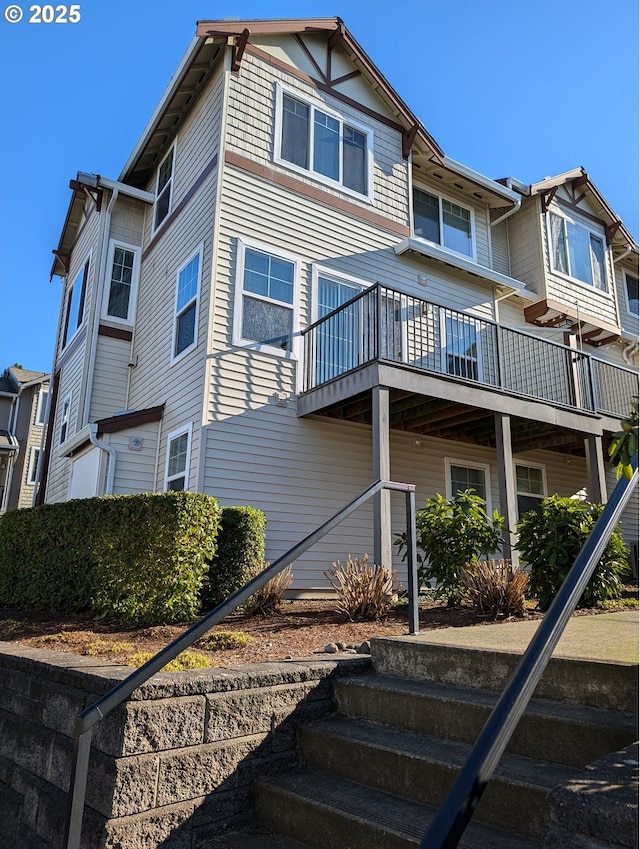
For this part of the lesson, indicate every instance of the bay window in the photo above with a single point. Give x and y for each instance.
(577, 251)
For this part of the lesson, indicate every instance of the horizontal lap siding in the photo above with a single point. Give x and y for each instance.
(135, 471)
(524, 243)
(628, 321)
(500, 244)
(127, 221)
(110, 374)
(60, 467)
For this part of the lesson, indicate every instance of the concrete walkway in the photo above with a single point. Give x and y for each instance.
(610, 637)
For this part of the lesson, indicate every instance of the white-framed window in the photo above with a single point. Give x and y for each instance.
(65, 417)
(176, 476)
(313, 139)
(462, 475)
(41, 407)
(577, 251)
(531, 486)
(32, 470)
(460, 345)
(74, 310)
(120, 294)
(632, 293)
(443, 222)
(266, 303)
(185, 325)
(164, 189)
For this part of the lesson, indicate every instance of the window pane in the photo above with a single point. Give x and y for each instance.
(121, 276)
(354, 160)
(337, 338)
(162, 206)
(326, 145)
(75, 304)
(426, 216)
(633, 293)
(527, 503)
(558, 244)
(178, 455)
(295, 132)
(188, 282)
(268, 275)
(529, 479)
(164, 175)
(463, 478)
(176, 485)
(456, 224)
(597, 263)
(268, 323)
(462, 348)
(579, 253)
(185, 329)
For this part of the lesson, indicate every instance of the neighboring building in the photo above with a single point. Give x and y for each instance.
(23, 416)
(291, 291)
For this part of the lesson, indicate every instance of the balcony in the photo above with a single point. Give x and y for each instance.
(438, 359)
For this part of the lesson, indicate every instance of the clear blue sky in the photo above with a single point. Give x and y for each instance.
(524, 89)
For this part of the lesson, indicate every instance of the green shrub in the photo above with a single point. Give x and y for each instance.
(550, 539)
(221, 640)
(239, 554)
(140, 558)
(185, 660)
(449, 534)
(364, 591)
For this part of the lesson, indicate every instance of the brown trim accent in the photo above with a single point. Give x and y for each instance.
(64, 259)
(266, 27)
(605, 341)
(179, 208)
(310, 56)
(44, 469)
(96, 194)
(114, 424)
(115, 332)
(287, 182)
(283, 66)
(238, 51)
(345, 77)
(578, 182)
(408, 138)
(565, 311)
(610, 231)
(336, 36)
(547, 197)
(575, 208)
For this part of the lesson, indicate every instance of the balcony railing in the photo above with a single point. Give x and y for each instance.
(384, 324)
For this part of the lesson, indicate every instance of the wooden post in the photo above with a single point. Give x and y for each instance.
(506, 487)
(597, 482)
(382, 551)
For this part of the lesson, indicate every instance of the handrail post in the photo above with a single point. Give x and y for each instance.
(78, 785)
(412, 563)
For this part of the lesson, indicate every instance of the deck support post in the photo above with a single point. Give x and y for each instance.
(507, 487)
(382, 551)
(596, 476)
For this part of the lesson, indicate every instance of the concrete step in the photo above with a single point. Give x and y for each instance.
(328, 812)
(252, 838)
(599, 684)
(553, 731)
(422, 768)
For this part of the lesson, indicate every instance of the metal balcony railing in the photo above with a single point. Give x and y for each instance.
(382, 323)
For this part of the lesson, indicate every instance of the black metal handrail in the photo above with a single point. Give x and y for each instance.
(457, 809)
(116, 696)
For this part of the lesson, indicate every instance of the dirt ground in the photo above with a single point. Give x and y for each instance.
(298, 629)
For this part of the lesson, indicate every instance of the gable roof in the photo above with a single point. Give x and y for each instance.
(617, 233)
(210, 42)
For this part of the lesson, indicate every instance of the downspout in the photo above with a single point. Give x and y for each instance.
(509, 212)
(630, 351)
(97, 300)
(626, 253)
(111, 468)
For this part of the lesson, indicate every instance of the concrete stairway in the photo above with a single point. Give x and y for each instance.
(374, 774)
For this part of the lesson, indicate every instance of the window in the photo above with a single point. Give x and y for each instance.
(443, 222)
(266, 286)
(75, 305)
(32, 471)
(64, 418)
(530, 487)
(323, 143)
(631, 289)
(178, 456)
(460, 351)
(577, 251)
(41, 409)
(462, 476)
(120, 297)
(185, 330)
(164, 188)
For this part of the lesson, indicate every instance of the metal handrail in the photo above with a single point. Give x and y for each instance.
(116, 696)
(457, 809)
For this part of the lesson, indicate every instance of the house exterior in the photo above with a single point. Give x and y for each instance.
(23, 415)
(290, 292)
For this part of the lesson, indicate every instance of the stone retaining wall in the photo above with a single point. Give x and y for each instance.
(170, 768)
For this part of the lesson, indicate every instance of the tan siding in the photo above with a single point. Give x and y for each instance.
(127, 221)
(60, 467)
(110, 375)
(135, 471)
(628, 321)
(500, 244)
(524, 243)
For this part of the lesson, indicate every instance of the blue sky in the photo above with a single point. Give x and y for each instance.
(523, 89)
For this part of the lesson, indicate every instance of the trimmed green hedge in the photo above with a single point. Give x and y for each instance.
(240, 554)
(141, 558)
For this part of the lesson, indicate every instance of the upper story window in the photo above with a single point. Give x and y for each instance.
(318, 141)
(178, 458)
(266, 287)
(121, 294)
(577, 251)
(631, 284)
(185, 330)
(41, 409)
(443, 222)
(74, 312)
(32, 468)
(65, 418)
(164, 188)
